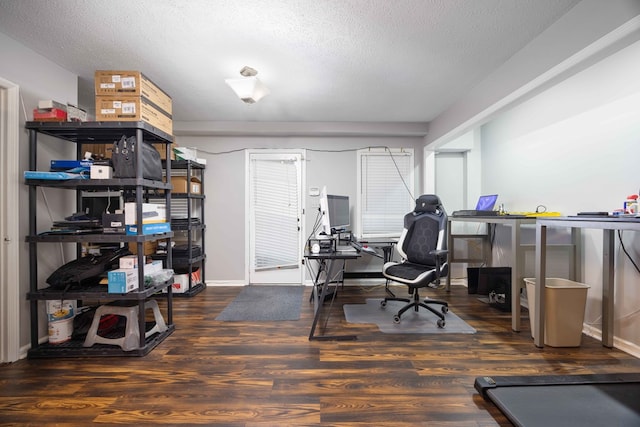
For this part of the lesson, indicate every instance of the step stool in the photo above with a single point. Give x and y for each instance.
(131, 339)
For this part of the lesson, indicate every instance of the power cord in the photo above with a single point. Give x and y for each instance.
(625, 251)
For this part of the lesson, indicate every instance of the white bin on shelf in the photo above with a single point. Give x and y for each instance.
(565, 302)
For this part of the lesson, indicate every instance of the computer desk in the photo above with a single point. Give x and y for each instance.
(517, 252)
(332, 263)
(609, 225)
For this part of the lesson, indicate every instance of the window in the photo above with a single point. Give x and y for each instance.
(385, 184)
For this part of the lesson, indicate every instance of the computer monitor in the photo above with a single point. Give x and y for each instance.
(339, 218)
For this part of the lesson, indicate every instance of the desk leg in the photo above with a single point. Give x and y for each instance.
(541, 275)
(516, 276)
(318, 302)
(607, 286)
(450, 257)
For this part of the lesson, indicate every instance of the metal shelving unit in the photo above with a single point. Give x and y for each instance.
(194, 230)
(92, 133)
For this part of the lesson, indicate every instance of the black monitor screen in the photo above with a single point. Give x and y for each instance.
(338, 211)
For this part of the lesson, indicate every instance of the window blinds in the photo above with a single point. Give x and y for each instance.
(275, 214)
(385, 197)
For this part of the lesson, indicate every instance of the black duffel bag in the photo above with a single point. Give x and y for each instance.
(124, 159)
(85, 271)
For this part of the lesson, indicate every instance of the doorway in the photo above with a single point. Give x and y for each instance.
(451, 179)
(275, 216)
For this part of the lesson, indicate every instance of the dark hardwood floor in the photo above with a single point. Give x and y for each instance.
(269, 374)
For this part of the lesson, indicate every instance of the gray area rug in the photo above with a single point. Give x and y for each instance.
(264, 303)
(422, 322)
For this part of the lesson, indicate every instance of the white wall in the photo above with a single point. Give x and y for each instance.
(591, 29)
(38, 78)
(576, 148)
(331, 161)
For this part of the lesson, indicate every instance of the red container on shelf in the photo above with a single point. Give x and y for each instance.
(49, 115)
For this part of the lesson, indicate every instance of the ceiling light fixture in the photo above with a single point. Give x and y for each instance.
(248, 88)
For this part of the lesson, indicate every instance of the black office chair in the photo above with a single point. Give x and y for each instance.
(423, 248)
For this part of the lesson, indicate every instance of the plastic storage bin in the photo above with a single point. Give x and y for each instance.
(564, 315)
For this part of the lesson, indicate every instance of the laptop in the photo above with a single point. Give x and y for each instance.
(484, 207)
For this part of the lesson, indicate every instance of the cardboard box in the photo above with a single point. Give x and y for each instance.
(122, 280)
(76, 114)
(160, 227)
(125, 280)
(113, 223)
(179, 184)
(130, 261)
(114, 82)
(131, 109)
(152, 267)
(148, 248)
(47, 104)
(105, 150)
(100, 172)
(181, 282)
(151, 213)
(184, 153)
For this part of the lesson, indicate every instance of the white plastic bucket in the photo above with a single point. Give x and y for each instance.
(60, 330)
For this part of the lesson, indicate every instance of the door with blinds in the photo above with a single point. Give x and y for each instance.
(275, 217)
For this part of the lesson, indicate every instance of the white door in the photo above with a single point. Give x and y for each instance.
(275, 217)
(10, 293)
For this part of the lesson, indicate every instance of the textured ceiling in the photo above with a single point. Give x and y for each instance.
(323, 60)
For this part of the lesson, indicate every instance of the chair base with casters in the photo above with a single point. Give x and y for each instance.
(415, 303)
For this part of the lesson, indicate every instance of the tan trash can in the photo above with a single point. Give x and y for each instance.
(564, 315)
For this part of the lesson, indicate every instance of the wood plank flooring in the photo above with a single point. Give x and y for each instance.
(269, 374)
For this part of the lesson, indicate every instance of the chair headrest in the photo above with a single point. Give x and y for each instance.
(427, 203)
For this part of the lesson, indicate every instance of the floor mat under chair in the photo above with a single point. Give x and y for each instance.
(421, 322)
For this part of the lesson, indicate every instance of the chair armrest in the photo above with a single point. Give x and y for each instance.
(439, 255)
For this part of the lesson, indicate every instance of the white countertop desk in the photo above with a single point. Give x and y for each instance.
(517, 252)
(609, 225)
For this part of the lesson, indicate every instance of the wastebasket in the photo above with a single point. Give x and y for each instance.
(564, 314)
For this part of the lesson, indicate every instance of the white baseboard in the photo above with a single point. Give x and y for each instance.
(620, 344)
(225, 283)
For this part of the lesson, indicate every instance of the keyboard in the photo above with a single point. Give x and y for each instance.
(345, 248)
(474, 212)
